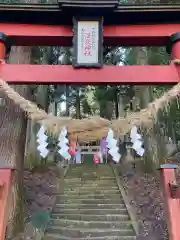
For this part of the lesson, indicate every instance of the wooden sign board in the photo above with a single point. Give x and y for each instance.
(88, 43)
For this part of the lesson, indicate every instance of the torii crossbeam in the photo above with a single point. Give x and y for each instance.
(29, 34)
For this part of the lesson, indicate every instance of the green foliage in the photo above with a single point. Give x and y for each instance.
(40, 219)
(35, 164)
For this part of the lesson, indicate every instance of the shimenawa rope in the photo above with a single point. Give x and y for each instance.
(94, 128)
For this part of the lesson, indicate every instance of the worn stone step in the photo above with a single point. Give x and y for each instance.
(92, 232)
(93, 192)
(90, 211)
(89, 170)
(91, 173)
(88, 196)
(92, 217)
(89, 181)
(82, 167)
(90, 224)
(92, 178)
(90, 201)
(88, 206)
(90, 187)
(51, 236)
(89, 184)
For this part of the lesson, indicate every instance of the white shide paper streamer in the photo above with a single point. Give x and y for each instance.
(42, 141)
(63, 144)
(112, 146)
(136, 140)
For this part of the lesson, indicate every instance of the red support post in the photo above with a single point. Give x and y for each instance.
(5, 187)
(172, 204)
(174, 46)
(174, 49)
(3, 47)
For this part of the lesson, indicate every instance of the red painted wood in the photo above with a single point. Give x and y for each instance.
(172, 205)
(5, 178)
(2, 51)
(50, 74)
(29, 34)
(175, 53)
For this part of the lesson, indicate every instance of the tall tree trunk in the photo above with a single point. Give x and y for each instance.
(67, 100)
(13, 136)
(121, 107)
(116, 104)
(153, 139)
(78, 105)
(42, 101)
(106, 109)
(143, 93)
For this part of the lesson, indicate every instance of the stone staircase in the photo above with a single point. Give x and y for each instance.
(91, 207)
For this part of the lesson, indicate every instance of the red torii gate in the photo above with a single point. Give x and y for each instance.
(149, 34)
(45, 35)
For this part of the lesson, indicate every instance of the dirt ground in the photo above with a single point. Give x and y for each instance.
(146, 196)
(40, 188)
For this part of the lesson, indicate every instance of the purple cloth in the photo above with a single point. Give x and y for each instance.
(103, 146)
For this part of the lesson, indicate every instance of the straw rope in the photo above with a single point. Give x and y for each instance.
(94, 128)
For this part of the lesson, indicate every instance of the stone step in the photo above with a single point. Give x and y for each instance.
(90, 224)
(98, 170)
(83, 187)
(90, 201)
(89, 170)
(90, 165)
(90, 179)
(89, 184)
(91, 217)
(88, 196)
(87, 167)
(95, 191)
(88, 206)
(92, 232)
(90, 211)
(90, 189)
(51, 236)
(90, 176)
(91, 173)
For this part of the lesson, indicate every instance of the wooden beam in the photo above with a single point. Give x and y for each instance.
(42, 35)
(60, 74)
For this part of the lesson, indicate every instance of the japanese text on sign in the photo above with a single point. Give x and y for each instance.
(88, 42)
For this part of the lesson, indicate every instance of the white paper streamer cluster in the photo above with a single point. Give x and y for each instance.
(112, 145)
(63, 144)
(136, 139)
(42, 141)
